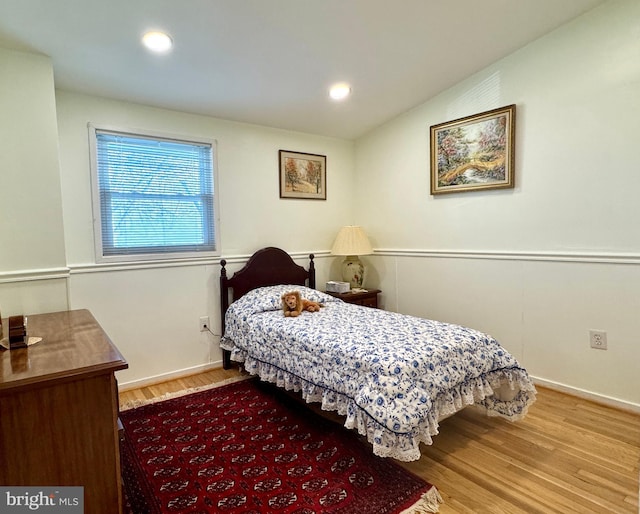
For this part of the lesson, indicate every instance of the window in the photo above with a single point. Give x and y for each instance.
(153, 197)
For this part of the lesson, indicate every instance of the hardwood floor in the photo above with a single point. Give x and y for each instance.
(567, 455)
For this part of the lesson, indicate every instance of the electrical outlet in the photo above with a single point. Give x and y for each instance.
(204, 323)
(598, 339)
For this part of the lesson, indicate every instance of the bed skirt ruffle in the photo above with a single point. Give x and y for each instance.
(507, 393)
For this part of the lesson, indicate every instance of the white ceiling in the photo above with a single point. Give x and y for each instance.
(270, 62)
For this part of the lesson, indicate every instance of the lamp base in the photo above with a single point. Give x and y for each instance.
(353, 271)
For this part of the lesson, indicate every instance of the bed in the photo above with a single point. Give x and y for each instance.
(392, 376)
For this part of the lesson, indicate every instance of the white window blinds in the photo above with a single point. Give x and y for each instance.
(155, 196)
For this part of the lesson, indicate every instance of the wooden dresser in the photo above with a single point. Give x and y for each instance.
(59, 410)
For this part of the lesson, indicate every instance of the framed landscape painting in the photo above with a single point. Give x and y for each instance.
(474, 153)
(303, 175)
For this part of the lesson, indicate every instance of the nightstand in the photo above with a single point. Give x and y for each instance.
(369, 298)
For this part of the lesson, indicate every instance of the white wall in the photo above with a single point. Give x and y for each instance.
(32, 259)
(536, 266)
(152, 312)
(539, 265)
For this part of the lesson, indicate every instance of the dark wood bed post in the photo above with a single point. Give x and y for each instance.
(224, 305)
(312, 272)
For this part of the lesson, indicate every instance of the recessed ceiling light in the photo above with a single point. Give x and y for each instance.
(157, 41)
(340, 91)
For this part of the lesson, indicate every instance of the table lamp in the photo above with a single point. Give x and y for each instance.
(352, 241)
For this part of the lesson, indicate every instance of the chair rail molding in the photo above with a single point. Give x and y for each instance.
(583, 257)
(31, 275)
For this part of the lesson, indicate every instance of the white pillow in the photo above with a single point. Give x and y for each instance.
(269, 298)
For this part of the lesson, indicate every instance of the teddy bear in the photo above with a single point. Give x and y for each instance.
(293, 304)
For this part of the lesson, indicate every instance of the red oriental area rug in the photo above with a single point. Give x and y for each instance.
(248, 447)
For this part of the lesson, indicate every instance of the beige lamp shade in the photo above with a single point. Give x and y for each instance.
(352, 241)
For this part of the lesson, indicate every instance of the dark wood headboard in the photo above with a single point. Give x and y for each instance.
(269, 266)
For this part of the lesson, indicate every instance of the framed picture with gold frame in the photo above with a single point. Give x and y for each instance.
(474, 153)
(303, 175)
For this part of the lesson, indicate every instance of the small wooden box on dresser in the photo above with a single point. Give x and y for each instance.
(368, 298)
(59, 410)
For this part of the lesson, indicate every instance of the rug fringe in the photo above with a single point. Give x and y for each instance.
(427, 504)
(132, 404)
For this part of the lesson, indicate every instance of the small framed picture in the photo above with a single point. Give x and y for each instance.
(303, 175)
(474, 153)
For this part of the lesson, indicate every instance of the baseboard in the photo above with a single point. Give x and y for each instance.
(588, 395)
(165, 377)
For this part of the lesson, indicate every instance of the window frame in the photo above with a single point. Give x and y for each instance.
(94, 129)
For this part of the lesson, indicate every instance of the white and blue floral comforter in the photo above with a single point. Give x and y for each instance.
(393, 376)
